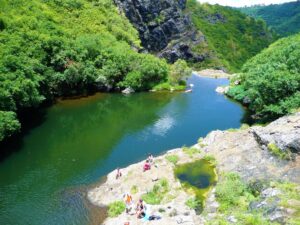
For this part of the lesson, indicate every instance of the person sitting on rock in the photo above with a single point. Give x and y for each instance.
(119, 173)
(140, 209)
(147, 166)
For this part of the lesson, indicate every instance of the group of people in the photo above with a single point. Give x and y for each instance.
(140, 208)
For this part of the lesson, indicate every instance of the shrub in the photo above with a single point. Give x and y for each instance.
(158, 192)
(9, 124)
(116, 208)
(278, 152)
(172, 159)
(211, 159)
(232, 192)
(190, 151)
(134, 189)
(193, 203)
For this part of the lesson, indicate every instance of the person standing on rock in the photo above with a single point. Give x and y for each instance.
(128, 201)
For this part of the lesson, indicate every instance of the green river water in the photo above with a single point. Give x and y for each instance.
(79, 141)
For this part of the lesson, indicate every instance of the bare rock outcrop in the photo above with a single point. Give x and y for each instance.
(284, 133)
(163, 28)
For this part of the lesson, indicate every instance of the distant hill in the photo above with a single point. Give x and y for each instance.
(283, 18)
(232, 36)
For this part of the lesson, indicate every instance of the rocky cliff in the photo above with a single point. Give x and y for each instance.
(163, 27)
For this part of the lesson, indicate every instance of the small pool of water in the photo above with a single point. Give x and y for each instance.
(200, 176)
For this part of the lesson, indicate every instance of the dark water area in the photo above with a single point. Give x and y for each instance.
(76, 142)
(200, 176)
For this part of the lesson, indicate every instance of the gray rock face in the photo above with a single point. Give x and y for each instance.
(163, 27)
(284, 132)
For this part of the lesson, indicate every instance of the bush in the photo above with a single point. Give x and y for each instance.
(190, 151)
(158, 192)
(172, 159)
(9, 124)
(232, 192)
(193, 203)
(134, 189)
(116, 208)
(273, 148)
(211, 159)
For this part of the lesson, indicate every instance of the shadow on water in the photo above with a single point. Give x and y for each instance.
(30, 119)
(200, 176)
(76, 199)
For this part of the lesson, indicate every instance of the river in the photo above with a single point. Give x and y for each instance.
(81, 140)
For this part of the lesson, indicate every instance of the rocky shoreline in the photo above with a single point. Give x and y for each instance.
(212, 73)
(235, 150)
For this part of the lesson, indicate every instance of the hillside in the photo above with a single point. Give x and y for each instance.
(231, 36)
(55, 48)
(282, 18)
(202, 34)
(270, 81)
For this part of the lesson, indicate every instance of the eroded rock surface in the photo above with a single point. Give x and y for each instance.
(243, 152)
(163, 27)
(284, 132)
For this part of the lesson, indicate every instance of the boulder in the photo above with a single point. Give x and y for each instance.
(284, 133)
(222, 90)
(128, 91)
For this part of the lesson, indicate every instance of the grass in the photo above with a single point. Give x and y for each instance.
(244, 126)
(134, 189)
(193, 203)
(273, 148)
(235, 196)
(116, 208)
(190, 151)
(233, 130)
(158, 193)
(200, 142)
(211, 159)
(172, 159)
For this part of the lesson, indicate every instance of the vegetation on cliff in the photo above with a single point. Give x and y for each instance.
(254, 202)
(56, 48)
(270, 81)
(282, 18)
(232, 36)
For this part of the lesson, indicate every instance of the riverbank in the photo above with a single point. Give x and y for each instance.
(212, 73)
(237, 151)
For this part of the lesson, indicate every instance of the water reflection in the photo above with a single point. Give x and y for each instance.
(82, 140)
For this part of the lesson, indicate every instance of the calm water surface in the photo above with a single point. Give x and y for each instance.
(82, 140)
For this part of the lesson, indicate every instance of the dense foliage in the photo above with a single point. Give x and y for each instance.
(52, 48)
(283, 18)
(270, 81)
(179, 72)
(232, 36)
(8, 124)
